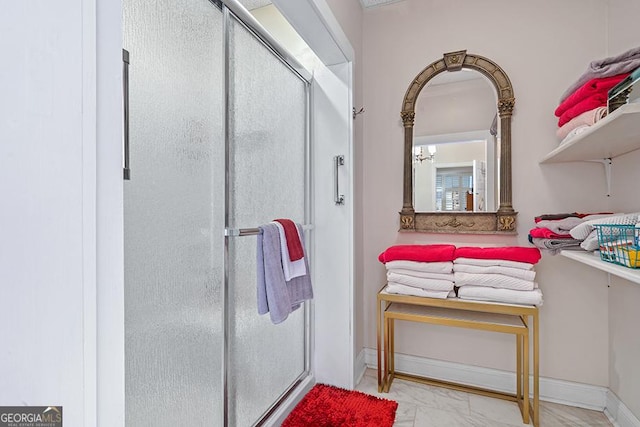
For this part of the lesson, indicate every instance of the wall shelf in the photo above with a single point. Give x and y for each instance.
(615, 135)
(593, 259)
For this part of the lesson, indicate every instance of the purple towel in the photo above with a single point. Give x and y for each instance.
(624, 63)
(275, 295)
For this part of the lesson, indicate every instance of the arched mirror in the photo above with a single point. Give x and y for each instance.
(457, 148)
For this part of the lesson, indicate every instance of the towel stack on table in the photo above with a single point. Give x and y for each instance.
(584, 102)
(501, 274)
(420, 270)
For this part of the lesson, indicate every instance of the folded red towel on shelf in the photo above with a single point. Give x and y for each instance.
(510, 253)
(545, 233)
(294, 245)
(594, 101)
(420, 253)
(590, 88)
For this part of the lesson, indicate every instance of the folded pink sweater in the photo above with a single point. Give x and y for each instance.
(510, 253)
(420, 253)
(588, 118)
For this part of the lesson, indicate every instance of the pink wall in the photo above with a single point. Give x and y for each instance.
(585, 325)
(538, 46)
(624, 316)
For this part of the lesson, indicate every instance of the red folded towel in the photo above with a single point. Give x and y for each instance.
(419, 253)
(545, 233)
(594, 101)
(511, 253)
(590, 88)
(294, 245)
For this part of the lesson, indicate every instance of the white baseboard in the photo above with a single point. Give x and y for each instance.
(618, 413)
(551, 390)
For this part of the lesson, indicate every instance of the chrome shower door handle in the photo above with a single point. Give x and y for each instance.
(125, 101)
(337, 162)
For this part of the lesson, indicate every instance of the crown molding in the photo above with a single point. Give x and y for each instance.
(374, 3)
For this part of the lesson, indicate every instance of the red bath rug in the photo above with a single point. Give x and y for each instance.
(328, 406)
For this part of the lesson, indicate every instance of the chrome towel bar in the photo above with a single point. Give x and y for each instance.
(232, 232)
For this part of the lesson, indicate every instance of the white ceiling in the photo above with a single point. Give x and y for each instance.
(372, 3)
(254, 4)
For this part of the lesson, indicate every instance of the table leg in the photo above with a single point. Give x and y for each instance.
(519, 367)
(378, 343)
(525, 378)
(536, 371)
(386, 354)
(392, 346)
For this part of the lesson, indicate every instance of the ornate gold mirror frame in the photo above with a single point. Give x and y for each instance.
(502, 221)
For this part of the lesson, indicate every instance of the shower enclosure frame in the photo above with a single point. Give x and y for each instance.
(233, 7)
(102, 201)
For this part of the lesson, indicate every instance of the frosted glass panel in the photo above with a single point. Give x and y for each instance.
(174, 214)
(267, 182)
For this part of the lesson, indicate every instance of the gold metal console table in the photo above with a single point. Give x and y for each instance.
(487, 316)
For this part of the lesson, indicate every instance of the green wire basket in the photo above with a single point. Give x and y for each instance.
(618, 244)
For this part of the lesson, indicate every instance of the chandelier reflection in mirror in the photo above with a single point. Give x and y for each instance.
(419, 156)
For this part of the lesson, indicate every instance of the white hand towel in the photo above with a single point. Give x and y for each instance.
(492, 280)
(422, 274)
(419, 282)
(427, 267)
(500, 262)
(496, 269)
(397, 288)
(508, 296)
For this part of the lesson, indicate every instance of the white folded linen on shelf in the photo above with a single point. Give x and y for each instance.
(419, 282)
(582, 231)
(427, 267)
(397, 288)
(422, 274)
(508, 296)
(492, 280)
(496, 269)
(490, 262)
(589, 234)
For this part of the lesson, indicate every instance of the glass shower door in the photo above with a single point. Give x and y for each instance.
(267, 180)
(174, 214)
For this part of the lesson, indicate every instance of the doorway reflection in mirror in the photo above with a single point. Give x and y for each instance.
(462, 177)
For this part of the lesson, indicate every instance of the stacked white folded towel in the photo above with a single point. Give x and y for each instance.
(425, 279)
(497, 280)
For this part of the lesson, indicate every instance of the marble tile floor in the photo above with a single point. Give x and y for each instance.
(421, 405)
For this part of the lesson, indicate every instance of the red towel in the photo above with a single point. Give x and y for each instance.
(590, 88)
(511, 253)
(294, 245)
(420, 253)
(594, 101)
(545, 233)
